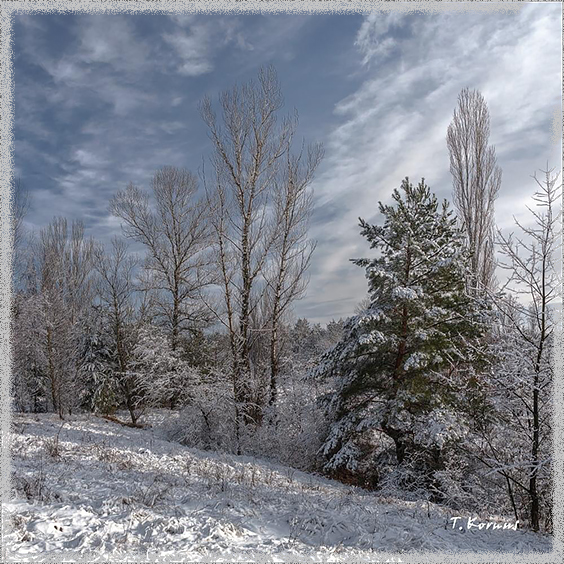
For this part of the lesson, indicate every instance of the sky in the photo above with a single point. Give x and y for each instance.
(104, 100)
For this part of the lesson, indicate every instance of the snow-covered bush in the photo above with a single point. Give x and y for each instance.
(207, 419)
(163, 377)
(293, 428)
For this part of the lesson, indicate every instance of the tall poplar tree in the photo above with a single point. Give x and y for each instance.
(476, 179)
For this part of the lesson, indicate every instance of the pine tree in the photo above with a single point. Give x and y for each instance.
(398, 365)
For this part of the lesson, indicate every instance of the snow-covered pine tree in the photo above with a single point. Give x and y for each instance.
(399, 364)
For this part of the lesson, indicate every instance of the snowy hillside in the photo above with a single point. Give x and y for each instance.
(104, 490)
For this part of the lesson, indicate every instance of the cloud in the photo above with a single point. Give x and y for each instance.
(104, 100)
(197, 42)
(111, 40)
(394, 124)
(193, 49)
(101, 104)
(88, 159)
(108, 41)
(375, 38)
(106, 61)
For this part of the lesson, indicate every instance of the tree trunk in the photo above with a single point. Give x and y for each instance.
(399, 440)
(533, 493)
(52, 375)
(273, 363)
(130, 408)
(244, 364)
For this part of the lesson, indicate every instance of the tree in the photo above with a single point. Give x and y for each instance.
(29, 369)
(21, 201)
(98, 365)
(292, 250)
(65, 283)
(175, 236)
(259, 211)
(115, 290)
(398, 365)
(476, 181)
(163, 377)
(527, 368)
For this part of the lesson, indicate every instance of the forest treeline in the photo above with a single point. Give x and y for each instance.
(438, 388)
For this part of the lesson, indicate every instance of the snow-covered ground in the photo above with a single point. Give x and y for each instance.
(105, 491)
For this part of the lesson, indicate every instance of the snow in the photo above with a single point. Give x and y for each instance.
(416, 360)
(373, 315)
(405, 293)
(104, 490)
(372, 338)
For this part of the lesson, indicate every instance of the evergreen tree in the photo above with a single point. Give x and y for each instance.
(398, 365)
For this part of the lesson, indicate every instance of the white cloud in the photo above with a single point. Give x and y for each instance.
(394, 125)
(110, 39)
(105, 40)
(197, 42)
(88, 158)
(373, 39)
(193, 49)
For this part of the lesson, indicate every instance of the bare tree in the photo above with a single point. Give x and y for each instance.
(65, 266)
(291, 254)
(251, 165)
(21, 199)
(18, 319)
(530, 260)
(476, 180)
(175, 235)
(115, 290)
(248, 149)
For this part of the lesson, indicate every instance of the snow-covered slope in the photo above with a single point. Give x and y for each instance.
(103, 491)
